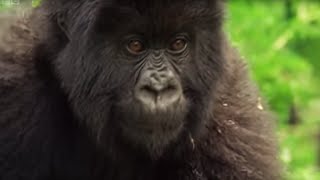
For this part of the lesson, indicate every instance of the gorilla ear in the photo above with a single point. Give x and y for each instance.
(62, 24)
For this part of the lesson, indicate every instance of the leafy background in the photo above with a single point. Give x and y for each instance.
(280, 39)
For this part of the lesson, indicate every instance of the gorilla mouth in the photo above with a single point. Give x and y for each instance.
(153, 124)
(159, 97)
(154, 100)
(161, 113)
(161, 105)
(153, 137)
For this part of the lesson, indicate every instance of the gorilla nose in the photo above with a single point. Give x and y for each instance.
(158, 89)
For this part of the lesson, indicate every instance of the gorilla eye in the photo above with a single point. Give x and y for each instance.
(135, 47)
(178, 45)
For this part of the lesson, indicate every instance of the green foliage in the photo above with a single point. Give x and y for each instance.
(4, 4)
(36, 3)
(283, 75)
(284, 58)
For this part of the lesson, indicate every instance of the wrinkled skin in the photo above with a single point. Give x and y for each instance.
(126, 90)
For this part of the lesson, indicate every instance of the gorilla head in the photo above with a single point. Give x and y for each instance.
(140, 71)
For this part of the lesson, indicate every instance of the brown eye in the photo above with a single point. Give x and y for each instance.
(178, 45)
(136, 47)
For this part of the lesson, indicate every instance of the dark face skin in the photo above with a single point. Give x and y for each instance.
(142, 74)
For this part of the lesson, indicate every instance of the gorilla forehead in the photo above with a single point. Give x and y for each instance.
(161, 14)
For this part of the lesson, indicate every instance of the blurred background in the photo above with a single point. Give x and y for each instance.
(280, 39)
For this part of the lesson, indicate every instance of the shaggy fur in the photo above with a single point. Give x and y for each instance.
(59, 118)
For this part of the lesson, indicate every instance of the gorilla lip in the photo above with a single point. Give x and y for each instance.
(158, 101)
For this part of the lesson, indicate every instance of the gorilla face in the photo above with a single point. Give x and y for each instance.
(143, 70)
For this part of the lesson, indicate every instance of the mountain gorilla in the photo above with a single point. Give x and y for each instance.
(129, 90)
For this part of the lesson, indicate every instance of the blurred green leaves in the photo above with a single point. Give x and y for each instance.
(269, 42)
(36, 3)
(284, 57)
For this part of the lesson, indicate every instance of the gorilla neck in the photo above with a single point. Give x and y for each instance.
(138, 163)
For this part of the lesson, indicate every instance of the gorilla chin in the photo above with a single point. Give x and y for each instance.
(154, 118)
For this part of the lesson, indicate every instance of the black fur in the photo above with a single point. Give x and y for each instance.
(67, 109)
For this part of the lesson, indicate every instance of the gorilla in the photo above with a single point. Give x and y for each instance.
(129, 90)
